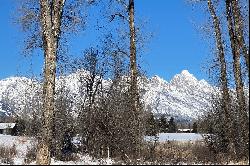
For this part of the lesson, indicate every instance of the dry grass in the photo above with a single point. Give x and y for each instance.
(7, 154)
(30, 155)
(173, 152)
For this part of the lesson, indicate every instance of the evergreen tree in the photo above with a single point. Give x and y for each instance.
(163, 125)
(171, 126)
(195, 128)
(151, 125)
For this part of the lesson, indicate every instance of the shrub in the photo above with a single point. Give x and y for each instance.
(7, 154)
(30, 155)
(173, 152)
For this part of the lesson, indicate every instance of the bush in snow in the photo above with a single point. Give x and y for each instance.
(7, 154)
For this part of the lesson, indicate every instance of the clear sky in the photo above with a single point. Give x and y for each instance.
(176, 45)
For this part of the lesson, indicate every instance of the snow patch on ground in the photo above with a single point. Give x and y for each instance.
(84, 160)
(20, 142)
(176, 137)
(23, 143)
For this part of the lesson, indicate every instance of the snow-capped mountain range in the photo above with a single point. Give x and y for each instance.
(183, 97)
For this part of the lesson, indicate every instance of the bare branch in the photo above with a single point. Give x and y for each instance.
(118, 15)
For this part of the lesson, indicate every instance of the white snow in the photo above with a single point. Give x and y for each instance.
(84, 160)
(22, 144)
(7, 125)
(183, 97)
(176, 137)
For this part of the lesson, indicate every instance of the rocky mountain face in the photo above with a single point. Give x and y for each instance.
(184, 97)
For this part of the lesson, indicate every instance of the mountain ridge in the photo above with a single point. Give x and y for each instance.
(183, 97)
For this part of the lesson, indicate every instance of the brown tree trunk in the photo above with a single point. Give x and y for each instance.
(223, 73)
(236, 61)
(133, 66)
(134, 89)
(238, 22)
(242, 109)
(50, 24)
(223, 68)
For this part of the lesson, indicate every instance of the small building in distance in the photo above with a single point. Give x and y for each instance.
(7, 128)
(184, 130)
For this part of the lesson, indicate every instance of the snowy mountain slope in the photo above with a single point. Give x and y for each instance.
(183, 97)
(15, 93)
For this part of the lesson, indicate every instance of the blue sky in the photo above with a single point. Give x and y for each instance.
(175, 46)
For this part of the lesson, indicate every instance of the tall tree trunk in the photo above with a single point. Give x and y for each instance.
(223, 68)
(241, 108)
(221, 54)
(50, 24)
(238, 22)
(133, 66)
(236, 61)
(134, 89)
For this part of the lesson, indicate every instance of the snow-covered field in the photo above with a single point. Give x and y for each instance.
(162, 137)
(23, 143)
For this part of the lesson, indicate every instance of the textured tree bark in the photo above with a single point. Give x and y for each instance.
(223, 71)
(238, 22)
(236, 61)
(50, 24)
(133, 77)
(133, 66)
(221, 54)
(242, 108)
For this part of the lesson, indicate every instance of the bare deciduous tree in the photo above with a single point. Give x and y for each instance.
(239, 26)
(234, 29)
(235, 46)
(133, 65)
(51, 26)
(45, 21)
(228, 119)
(223, 67)
(129, 15)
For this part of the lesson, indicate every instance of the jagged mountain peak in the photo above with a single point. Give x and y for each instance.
(158, 80)
(184, 96)
(183, 78)
(186, 73)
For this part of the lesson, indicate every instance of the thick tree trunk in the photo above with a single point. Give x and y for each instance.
(50, 24)
(43, 156)
(238, 22)
(133, 66)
